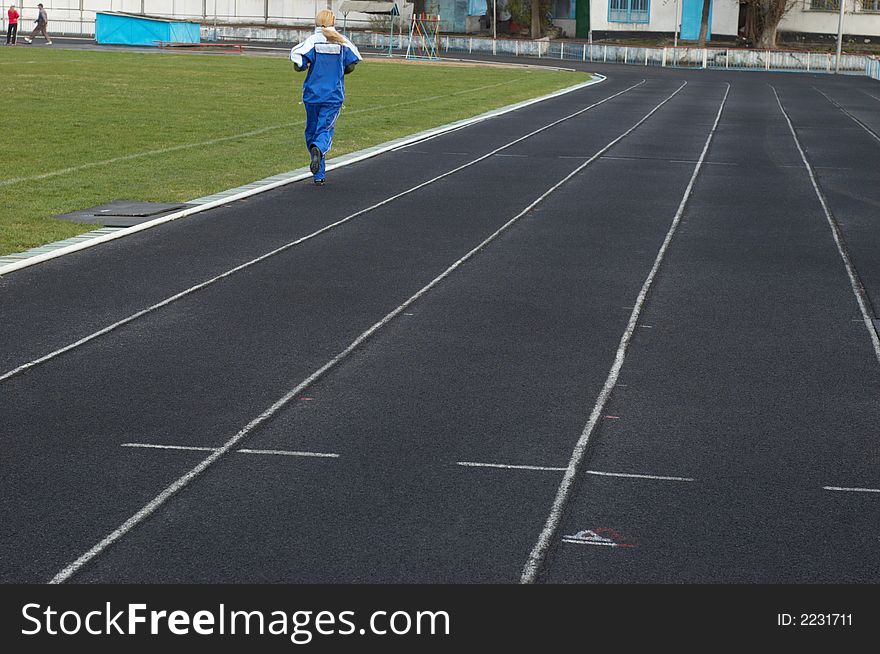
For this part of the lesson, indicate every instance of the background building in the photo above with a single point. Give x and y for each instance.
(809, 19)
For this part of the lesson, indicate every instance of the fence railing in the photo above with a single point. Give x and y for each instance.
(679, 57)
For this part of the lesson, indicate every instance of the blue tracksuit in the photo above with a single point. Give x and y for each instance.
(323, 88)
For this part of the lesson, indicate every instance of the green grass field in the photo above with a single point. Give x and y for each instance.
(90, 127)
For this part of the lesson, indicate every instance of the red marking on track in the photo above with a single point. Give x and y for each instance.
(307, 399)
(619, 539)
(600, 536)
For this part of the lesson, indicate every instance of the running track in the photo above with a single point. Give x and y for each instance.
(640, 324)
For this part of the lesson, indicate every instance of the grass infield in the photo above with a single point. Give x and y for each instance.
(83, 128)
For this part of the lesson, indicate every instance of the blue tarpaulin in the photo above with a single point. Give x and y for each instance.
(477, 7)
(127, 29)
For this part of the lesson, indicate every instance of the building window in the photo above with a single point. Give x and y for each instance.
(869, 6)
(629, 11)
(824, 5)
(565, 9)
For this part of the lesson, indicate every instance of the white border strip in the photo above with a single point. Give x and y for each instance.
(160, 499)
(539, 552)
(296, 176)
(627, 475)
(851, 490)
(152, 446)
(192, 289)
(193, 448)
(320, 455)
(474, 464)
(857, 287)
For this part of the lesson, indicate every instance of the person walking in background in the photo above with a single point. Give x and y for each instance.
(12, 30)
(42, 23)
(327, 56)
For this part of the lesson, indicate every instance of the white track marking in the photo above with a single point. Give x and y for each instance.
(323, 455)
(171, 447)
(629, 475)
(184, 480)
(681, 161)
(636, 476)
(855, 283)
(192, 289)
(848, 114)
(242, 451)
(224, 139)
(539, 552)
(870, 95)
(474, 464)
(851, 490)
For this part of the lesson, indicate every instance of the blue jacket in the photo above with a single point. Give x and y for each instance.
(326, 64)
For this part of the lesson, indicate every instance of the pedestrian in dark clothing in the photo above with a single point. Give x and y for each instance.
(42, 23)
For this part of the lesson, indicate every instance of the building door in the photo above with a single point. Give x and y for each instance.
(582, 15)
(691, 13)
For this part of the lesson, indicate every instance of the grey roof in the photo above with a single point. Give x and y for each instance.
(366, 7)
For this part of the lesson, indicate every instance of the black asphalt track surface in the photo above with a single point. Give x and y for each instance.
(749, 373)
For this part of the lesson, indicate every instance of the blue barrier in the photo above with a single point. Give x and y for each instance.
(117, 28)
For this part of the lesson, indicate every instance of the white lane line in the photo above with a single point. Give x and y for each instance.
(680, 161)
(871, 95)
(706, 163)
(628, 475)
(192, 289)
(224, 139)
(847, 113)
(184, 480)
(474, 464)
(323, 455)
(539, 552)
(171, 447)
(856, 284)
(851, 490)
(242, 451)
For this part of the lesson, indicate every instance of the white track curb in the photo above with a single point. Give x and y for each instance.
(292, 176)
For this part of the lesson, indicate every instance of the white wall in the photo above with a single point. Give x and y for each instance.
(803, 19)
(291, 12)
(725, 15)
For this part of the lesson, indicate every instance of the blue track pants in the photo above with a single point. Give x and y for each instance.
(320, 121)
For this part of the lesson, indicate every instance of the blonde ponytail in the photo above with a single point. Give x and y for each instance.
(333, 36)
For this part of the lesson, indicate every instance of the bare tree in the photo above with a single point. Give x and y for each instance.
(762, 20)
(536, 19)
(704, 21)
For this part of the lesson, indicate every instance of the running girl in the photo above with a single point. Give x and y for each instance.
(327, 56)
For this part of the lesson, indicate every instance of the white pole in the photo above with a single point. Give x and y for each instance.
(839, 38)
(494, 20)
(677, 23)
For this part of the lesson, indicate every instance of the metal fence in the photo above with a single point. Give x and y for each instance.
(680, 57)
(872, 69)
